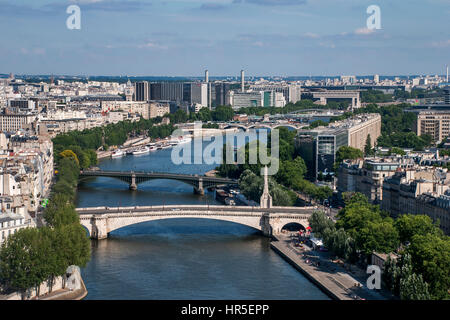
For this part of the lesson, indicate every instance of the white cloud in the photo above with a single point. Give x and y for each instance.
(152, 45)
(441, 44)
(364, 31)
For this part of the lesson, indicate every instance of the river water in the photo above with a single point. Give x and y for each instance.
(180, 258)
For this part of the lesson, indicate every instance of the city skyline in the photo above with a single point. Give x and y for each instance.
(184, 37)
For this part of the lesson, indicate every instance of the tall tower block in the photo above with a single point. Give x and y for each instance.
(242, 80)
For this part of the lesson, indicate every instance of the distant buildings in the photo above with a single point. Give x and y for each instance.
(147, 110)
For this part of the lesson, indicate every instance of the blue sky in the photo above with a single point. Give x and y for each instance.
(185, 37)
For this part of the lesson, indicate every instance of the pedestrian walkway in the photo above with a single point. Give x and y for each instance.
(332, 278)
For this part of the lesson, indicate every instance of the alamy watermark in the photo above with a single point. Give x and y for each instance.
(374, 20)
(258, 152)
(73, 22)
(374, 280)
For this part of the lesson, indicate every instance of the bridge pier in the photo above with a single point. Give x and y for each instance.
(133, 185)
(199, 190)
(98, 228)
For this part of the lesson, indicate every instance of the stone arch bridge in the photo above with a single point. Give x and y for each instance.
(100, 221)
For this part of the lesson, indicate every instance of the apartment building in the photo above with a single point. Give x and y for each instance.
(424, 191)
(367, 175)
(436, 123)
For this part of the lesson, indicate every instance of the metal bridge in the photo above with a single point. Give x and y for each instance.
(133, 178)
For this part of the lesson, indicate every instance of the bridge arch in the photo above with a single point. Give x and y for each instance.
(100, 228)
(229, 126)
(102, 220)
(286, 126)
(249, 225)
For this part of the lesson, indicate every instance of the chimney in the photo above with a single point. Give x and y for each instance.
(206, 76)
(242, 80)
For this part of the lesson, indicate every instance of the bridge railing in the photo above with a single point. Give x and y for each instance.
(247, 209)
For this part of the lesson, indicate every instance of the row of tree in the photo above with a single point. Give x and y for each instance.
(362, 228)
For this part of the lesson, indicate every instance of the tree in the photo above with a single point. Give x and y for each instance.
(223, 113)
(60, 211)
(346, 152)
(291, 172)
(368, 147)
(402, 281)
(204, 115)
(430, 255)
(70, 154)
(21, 262)
(319, 222)
(409, 225)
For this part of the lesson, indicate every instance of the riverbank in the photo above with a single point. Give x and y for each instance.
(335, 281)
(66, 294)
(57, 294)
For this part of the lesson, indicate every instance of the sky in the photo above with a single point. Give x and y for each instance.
(263, 37)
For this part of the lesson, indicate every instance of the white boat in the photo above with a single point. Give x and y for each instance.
(142, 150)
(118, 153)
(185, 139)
(153, 148)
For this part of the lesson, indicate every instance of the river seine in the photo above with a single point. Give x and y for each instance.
(180, 258)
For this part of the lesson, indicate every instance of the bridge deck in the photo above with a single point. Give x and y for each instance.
(206, 208)
(154, 175)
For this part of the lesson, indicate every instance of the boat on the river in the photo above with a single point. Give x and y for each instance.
(118, 153)
(140, 151)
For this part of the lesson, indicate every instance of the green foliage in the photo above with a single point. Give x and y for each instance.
(222, 113)
(161, 131)
(399, 151)
(319, 222)
(430, 255)
(317, 123)
(210, 126)
(70, 154)
(410, 225)
(368, 151)
(345, 153)
(60, 211)
(366, 224)
(337, 241)
(203, 115)
(291, 173)
(403, 282)
(22, 261)
(251, 185)
(374, 96)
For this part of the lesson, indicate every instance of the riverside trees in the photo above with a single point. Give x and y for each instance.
(421, 272)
